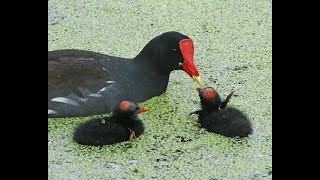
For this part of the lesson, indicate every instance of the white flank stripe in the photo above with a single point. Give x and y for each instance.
(66, 101)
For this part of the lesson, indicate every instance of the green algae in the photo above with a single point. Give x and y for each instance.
(232, 52)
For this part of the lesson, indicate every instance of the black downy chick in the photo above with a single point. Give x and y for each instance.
(217, 118)
(123, 125)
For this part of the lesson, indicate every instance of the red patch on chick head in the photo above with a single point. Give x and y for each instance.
(124, 105)
(209, 93)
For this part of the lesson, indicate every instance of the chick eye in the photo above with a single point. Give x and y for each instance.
(174, 50)
(180, 63)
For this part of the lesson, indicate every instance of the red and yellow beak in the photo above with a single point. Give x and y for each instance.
(198, 89)
(187, 51)
(142, 109)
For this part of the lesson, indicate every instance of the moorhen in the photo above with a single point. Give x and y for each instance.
(123, 125)
(217, 118)
(83, 83)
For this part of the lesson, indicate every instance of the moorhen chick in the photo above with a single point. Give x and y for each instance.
(123, 125)
(217, 118)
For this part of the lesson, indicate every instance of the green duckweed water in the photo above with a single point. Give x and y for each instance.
(233, 51)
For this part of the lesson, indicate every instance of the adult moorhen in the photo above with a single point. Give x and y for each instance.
(83, 83)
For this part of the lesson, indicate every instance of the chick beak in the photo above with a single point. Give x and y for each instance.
(143, 109)
(198, 89)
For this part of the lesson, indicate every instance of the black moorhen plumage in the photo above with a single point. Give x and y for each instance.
(83, 83)
(123, 125)
(217, 118)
